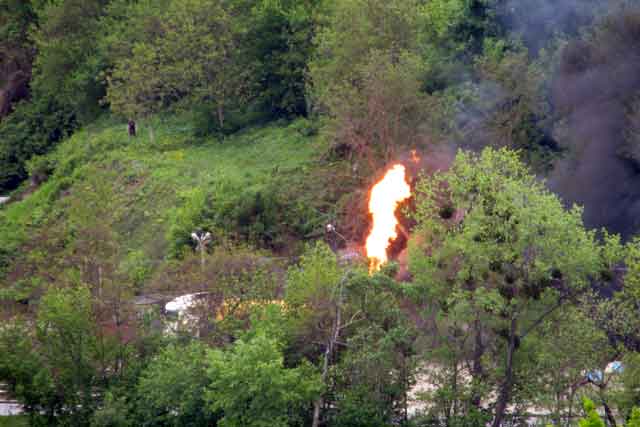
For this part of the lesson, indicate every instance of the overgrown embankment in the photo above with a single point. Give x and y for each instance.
(133, 203)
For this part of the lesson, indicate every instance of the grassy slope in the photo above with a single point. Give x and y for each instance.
(151, 181)
(13, 421)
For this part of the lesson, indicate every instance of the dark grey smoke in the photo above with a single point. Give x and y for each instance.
(595, 82)
(536, 22)
(594, 176)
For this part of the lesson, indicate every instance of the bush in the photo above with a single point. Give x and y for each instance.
(267, 216)
(39, 169)
(32, 129)
(306, 127)
(186, 220)
(206, 124)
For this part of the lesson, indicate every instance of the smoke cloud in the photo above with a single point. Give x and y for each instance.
(536, 22)
(593, 86)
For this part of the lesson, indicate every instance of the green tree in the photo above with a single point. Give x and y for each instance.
(628, 396)
(280, 38)
(498, 255)
(136, 88)
(367, 75)
(593, 418)
(16, 52)
(22, 370)
(634, 419)
(194, 53)
(315, 293)
(171, 390)
(557, 357)
(113, 413)
(68, 62)
(251, 386)
(33, 128)
(361, 338)
(516, 114)
(66, 332)
(60, 365)
(371, 378)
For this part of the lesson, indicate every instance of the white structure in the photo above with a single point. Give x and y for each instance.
(7, 406)
(177, 311)
(10, 408)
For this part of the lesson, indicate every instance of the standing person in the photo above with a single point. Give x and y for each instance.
(132, 128)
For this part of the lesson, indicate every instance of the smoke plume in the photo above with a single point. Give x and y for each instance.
(595, 82)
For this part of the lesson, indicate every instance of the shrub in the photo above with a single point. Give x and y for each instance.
(32, 129)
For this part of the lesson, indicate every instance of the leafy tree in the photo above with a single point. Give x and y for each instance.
(457, 29)
(32, 129)
(113, 413)
(65, 330)
(593, 418)
(251, 386)
(210, 34)
(136, 85)
(171, 390)
(367, 75)
(60, 365)
(315, 293)
(363, 342)
(53, 369)
(498, 254)
(16, 52)
(384, 113)
(280, 38)
(510, 104)
(372, 377)
(126, 24)
(15, 20)
(67, 65)
(22, 370)
(628, 395)
(634, 419)
(560, 353)
(195, 54)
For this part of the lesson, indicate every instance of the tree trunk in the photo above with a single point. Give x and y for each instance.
(320, 400)
(505, 390)
(571, 399)
(477, 371)
(607, 410)
(220, 116)
(405, 403)
(328, 353)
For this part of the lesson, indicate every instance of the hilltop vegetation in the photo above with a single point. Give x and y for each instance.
(265, 123)
(258, 187)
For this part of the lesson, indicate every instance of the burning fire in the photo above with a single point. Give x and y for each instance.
(385, 197)
(414, 156)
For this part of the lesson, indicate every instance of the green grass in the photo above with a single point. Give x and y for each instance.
(14, 421)
(151, 185)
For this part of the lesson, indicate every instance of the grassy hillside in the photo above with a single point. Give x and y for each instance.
(144, 198)
(13, 421)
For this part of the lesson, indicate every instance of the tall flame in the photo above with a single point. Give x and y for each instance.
(385, 197)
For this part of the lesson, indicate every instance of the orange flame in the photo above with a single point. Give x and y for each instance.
(414, 156)
(384, 199)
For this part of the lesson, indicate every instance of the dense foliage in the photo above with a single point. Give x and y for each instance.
(129, 129)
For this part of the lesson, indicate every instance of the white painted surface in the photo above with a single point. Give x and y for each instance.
(10, 408)
(182, 303)
(178, 310)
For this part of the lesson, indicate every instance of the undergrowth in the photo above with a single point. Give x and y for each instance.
(262, 186)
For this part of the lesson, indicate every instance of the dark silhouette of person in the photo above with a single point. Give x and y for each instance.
(132, 128)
